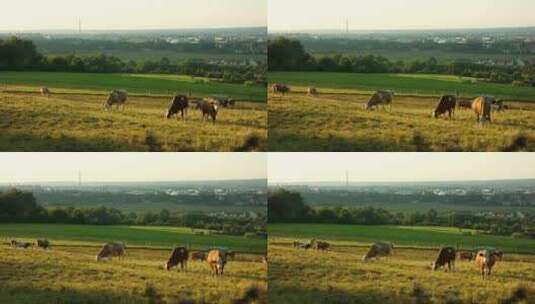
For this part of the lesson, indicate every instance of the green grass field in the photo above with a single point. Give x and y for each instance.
(145, 84)
(338, 122)
(77, 122)
(418, 84)
(339, 276)
(70, 274)
(433, 237)
(142, 236)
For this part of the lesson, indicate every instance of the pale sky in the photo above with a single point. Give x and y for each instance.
(385, 167)
(117, 167)
(293, 15)
(25, 15)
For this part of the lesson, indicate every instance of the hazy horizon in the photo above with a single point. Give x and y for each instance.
(398, 15)
(131, 15)
(398, 167)
(130, 167)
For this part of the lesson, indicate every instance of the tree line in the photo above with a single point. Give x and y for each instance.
(286, 206)
(18, 206)
(22, 55)
(289, 55)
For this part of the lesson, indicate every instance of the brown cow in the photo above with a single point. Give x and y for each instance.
(198, 256)
(319, 245)
(446, 104)
(466, 255)
(485, 260)
(446, 256)
(464, 104)
(217, 259)
(482, 107)
(17, 244)
(178, 256)
(116, 97)
(280, 88)
(312, 91)
(111, 250)
(179, 103)
(45, 244)
(380, 98)
(208, 108)
(378, 249)
(45, 92)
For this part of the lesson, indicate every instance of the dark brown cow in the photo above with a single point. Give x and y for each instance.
(198, 256)
(482, 107)
(445, 105)
(485, 260)
(178, 256)
(280, 88)
(208, 108)
(179, 103)
(312, 91)
(499, 254)
(464, 104)
(319, 245)
(466, 255)
(217, 259)
(224, 101)
(45, 244)
(446, 257)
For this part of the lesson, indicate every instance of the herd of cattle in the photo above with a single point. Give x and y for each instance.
(482, 105)
(484, 258)
(216, 258)
(179, 104)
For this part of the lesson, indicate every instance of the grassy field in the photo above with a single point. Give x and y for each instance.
(339, 276)
(145, 84)
(77, 122)
(70, 274)
(401, 236)
(338, 122)
(418, 84)
(141, 236)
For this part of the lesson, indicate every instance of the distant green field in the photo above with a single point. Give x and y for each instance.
(418, 84)
(133, 83)
(399, 235)
(131, 235)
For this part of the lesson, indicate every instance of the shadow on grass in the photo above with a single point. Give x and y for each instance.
(284, 294)
(24, 142)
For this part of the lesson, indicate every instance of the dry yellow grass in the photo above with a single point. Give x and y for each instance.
(339, 276)
(77, 122)
(70, 274)
(338, 122)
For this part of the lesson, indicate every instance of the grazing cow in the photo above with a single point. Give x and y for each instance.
(499, 254)
(466, 255)
(380, 98)
(45, 244)
(378, 249)
(179, 103)
(217, 259)
(198, 256)
(116, 97)
(485, 260)
(464, 104)
(178, 256)
(446, 256)
(224, 101)
(312, 91)
(280, 88)
(319, 245)
(45, 92)
(208, 108)
(482, 107)
(111, 250)
(498, 106)
(18, 244)
(446, 104)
